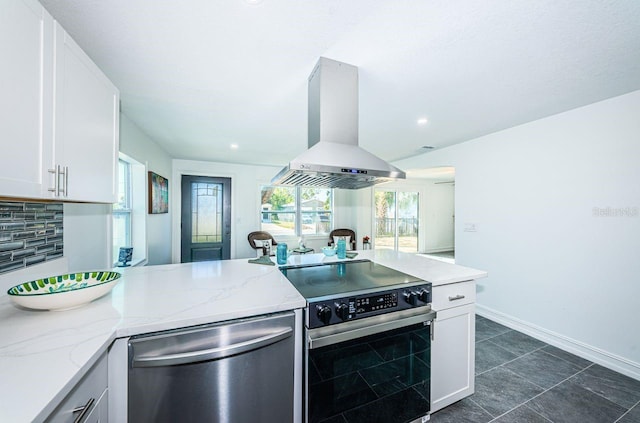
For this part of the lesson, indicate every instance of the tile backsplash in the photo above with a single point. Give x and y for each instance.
(30, 233)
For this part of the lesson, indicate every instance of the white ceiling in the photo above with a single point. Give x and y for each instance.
(199, 75)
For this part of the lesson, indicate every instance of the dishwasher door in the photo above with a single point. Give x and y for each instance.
(239, 371)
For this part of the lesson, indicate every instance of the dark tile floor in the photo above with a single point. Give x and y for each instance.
(520, 379)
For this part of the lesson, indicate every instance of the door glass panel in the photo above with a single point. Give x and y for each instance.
(407, 222)
(206, 212)
(385, 220)
(396, 220)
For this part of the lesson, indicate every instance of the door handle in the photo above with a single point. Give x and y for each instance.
(83, 410)
(212, 353)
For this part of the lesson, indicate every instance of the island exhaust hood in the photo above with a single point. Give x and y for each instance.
(334, 159)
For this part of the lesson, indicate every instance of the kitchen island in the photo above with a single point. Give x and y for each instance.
(43, 355)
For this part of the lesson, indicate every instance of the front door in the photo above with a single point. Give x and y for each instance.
(206, 218)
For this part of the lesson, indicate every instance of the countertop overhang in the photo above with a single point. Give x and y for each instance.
(43, 354)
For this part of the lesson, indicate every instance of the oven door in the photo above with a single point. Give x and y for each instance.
(371, 370)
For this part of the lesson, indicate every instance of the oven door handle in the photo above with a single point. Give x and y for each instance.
(322, 337)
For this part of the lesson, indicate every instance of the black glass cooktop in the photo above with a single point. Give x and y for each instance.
(337, 279)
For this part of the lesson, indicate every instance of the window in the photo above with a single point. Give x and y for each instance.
(129, 213)
(396, 220)
(122, 210)
(296, 211)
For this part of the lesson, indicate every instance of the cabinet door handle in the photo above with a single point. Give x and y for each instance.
(56, 181)
(83, 410)
(456, 297)
(65, 180)
(432, 330)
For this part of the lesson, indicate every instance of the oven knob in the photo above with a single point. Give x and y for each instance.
(411, 297)
(424, 296)
(324, 313)
(342, 311)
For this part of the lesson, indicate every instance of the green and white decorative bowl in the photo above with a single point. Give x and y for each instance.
(65, 291)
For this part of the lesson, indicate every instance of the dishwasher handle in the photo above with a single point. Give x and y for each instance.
(211, 353)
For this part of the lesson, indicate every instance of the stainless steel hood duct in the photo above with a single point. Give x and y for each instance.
(334, 159)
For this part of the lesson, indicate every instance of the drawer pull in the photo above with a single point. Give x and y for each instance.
(84, 410)
(457, 297)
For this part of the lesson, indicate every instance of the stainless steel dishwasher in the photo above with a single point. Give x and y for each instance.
(239, 371)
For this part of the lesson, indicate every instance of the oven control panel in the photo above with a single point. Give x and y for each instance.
(334, 311)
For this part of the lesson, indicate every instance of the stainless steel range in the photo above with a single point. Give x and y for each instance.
(368, 336)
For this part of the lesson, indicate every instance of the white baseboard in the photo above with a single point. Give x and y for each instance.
(591, 353)
(438, 250)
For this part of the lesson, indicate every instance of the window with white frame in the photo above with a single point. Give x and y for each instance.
(122, 209)
(129, 213)
(296, 211)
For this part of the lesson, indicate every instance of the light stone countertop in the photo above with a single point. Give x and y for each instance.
(435, 271)
(43, 354)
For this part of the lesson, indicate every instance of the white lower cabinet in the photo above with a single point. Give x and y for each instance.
(89, 396)
(453, 345)
(100, 411)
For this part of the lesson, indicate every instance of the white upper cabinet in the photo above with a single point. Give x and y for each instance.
(60, 124)
(86, 129)
(26, 73)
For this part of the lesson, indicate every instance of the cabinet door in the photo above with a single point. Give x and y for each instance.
(453, 356)
(90, 392)
(86, 116)
(25, 103)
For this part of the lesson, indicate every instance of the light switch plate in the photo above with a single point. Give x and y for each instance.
(470, 227)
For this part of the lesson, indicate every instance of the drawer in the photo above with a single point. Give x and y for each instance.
(91, 386)
(453, 295)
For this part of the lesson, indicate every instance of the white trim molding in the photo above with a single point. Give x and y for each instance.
(589, 352)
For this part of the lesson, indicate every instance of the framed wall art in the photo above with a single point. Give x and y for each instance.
(158, 194)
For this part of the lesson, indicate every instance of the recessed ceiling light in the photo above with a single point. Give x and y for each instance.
(234, 146)
(423, 121)
(253, 1)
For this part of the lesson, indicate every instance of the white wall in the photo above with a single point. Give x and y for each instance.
(556, 270)
(87, 238)
(438, 230)
(137, 145)
(356, 212)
